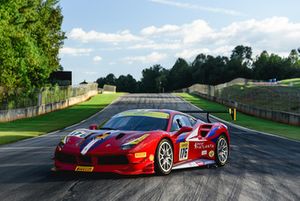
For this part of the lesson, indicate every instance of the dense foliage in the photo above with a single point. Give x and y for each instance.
(30, 39)
(208, 69)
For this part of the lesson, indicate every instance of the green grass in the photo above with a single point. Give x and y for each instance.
(35, 126)
(279, 98)
(292, 132)
(295, 82)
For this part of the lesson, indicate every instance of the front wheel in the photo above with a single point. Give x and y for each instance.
(222, 151)
(164, 157)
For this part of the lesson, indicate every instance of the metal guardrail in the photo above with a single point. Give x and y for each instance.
(21, 98)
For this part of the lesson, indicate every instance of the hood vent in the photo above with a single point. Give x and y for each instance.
(120, 136)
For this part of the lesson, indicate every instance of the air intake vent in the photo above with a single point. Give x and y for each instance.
(206, 126)
(112, 160)
(120, 136)
(203, 133)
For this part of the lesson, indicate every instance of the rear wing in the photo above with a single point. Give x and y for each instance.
(230, 111)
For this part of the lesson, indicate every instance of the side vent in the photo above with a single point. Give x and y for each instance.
(206, 126)
(204, 130)
(203, 133)
(120, 136)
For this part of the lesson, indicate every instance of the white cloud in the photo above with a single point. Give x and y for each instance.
(164, 29)
(97, 59)
(198, 7)
(196, 31)
(150, 58)
(157, 46)
(94, 36)
(75, 51)
(275, 34)
(189, 53)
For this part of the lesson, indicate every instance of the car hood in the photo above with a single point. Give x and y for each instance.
(87, 141)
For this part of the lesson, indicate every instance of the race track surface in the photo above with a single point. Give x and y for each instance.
(261, 167)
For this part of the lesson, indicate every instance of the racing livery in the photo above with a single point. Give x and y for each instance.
(144, 141)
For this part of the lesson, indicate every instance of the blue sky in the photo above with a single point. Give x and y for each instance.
(126, 36)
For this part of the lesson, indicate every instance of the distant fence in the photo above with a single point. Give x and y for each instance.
(20, 98)
(42, 101)
(211, 93)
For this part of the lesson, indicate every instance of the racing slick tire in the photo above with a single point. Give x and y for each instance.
(164, 157)
(222, 151)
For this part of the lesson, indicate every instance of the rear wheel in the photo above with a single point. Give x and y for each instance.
(164, 157)
(222, 151)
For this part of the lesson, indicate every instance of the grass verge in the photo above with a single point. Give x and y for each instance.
(35, 126)
(255, 123)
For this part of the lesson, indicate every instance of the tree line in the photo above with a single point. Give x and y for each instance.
(208, 69)
(30, 39)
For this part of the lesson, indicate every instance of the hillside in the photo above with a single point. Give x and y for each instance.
(280, 98)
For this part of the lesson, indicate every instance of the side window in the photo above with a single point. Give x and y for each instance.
(193, 121)
(186, 121)
(176, 123)
(179, 121)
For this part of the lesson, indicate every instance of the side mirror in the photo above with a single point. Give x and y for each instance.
(183, 129)
(93, 127)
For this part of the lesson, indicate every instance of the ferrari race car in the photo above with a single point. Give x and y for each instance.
(144, 141)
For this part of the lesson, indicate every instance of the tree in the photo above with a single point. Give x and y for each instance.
(126, 84)
(270, 66)
(150, 81)
(30, 38)
(180, 75)
(240, 62)
(109, 79)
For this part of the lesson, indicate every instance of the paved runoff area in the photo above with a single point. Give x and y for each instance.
(261, 167)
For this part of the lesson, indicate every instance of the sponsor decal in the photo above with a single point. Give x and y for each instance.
(140, 155)
(201, 145)
(84, 168)
(204, 152)
(102, 137)
(161, 115)
(183, 150)
(211, 153)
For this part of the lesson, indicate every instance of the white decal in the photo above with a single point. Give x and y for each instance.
(88, 146)
(204, 152)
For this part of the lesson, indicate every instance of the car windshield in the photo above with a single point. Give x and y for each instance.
(136, 123)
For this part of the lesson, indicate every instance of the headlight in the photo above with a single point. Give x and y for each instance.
(132, 143)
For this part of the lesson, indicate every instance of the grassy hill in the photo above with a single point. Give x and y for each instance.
(295, 82)
(280, 98)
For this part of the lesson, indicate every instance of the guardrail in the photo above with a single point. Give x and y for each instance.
(278, 116)
(48, 100)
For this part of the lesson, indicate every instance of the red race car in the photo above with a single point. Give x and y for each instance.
(144, 141)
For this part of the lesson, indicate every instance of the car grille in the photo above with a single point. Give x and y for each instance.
(112, 160)
(88, 160)
(85, 160)
(65, 158)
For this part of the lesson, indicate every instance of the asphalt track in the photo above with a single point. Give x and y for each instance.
(261, 167)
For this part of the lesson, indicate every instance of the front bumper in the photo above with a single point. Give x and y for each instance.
(133, 166)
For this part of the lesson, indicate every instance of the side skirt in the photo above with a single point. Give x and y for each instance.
(195, 163)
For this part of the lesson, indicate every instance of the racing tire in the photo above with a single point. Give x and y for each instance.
(222, 151)
(164, 157)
